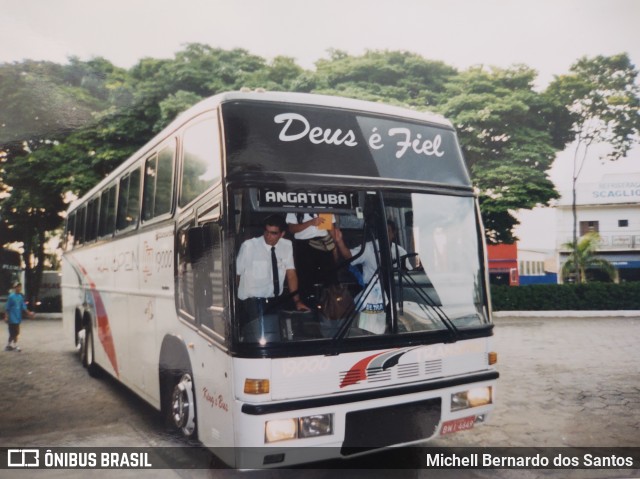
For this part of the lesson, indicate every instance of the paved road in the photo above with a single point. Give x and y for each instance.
(564, 382)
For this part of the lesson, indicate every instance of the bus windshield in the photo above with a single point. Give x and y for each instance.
(376, 263)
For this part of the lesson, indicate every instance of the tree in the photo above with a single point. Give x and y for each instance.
(509, 140)
(583, 257)
(31, 210)
(603, 100)
(41, 103)
(37, 102)
(393, 77)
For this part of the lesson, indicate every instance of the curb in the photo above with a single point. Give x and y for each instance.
(567, 314)
(47, 316)
(496, 314)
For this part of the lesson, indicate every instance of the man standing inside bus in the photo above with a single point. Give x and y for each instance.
(314, 250)
(15, 307)
(372, 314)
(261, 267)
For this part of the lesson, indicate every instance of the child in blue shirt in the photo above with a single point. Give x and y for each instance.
(14, 308)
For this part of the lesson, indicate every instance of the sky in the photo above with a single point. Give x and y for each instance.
(547, 35)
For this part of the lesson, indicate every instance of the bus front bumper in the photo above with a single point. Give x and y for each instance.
(359, 422)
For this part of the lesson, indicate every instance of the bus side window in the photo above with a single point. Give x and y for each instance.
(71, 227)
(185, 277)
(149, 188)
(93, 210)
(210, 299)
(201, 159)
(201, 288)
(107, 212)
(80, 221)
(164, 182)
(158, 184)
(129, 200)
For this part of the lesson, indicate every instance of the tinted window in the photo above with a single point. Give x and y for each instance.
(80, 220)
(71, 228)
(158, 184)
(107, 212)
(200, 277)
(262, 137)
(201, 161)
(93, 211)
(129, 200)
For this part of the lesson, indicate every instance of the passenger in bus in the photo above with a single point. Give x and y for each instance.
(314, 251)
(372, 312)
(262, 265)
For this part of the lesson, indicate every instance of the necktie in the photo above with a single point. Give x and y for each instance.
(274, 268)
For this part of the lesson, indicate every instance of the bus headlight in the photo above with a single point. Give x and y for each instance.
(472, 398)
(318, 425)
(280, 430)
(298, 428)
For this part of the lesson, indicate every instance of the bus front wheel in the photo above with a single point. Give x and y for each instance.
(183, 406)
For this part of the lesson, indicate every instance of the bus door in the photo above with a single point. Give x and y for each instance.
(201, 302)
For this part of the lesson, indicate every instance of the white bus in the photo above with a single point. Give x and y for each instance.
(150, 292)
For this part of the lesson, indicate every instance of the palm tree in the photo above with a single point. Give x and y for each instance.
(584, 256)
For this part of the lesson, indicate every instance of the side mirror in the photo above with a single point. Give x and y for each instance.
(403, 262)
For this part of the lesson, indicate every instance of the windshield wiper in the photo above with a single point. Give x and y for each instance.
(428, 301)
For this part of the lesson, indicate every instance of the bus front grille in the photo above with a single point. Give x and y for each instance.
(384, 426)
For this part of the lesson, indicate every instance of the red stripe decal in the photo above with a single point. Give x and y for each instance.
(383, 361)
(358, 371)
(104, 329)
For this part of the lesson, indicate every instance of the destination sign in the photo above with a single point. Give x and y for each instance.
(267, 139)
(306, 199)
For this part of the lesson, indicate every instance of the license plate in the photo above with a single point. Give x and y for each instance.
(458, 425)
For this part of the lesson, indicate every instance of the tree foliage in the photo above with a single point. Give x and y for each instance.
(602, 97)
(507, 140)
(42, 104)
(388, 76)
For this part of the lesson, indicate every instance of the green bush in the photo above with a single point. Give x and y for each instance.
(559, 297)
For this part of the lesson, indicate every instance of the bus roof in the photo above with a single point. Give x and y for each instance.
(313, 99)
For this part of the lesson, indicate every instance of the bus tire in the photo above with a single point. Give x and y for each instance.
(80, 340)
(87, 353)
(79, 329)
(182, 406)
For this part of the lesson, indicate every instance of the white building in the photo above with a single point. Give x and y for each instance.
(537, 266)
(610, 207)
